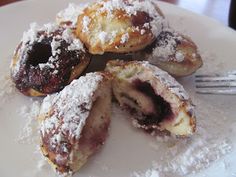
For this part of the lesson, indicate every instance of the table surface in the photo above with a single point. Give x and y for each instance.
(218, 9)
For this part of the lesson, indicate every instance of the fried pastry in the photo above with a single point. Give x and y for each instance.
(74, 122)
(119, 26)
(156, 99)
(173, 52)
(47, 59)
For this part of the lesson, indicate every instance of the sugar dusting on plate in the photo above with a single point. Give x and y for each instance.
(29, 135)
(6, 89)
(177, 157)
(29, 132)
(181, 157)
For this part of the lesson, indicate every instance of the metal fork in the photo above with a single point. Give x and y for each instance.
(224, 84)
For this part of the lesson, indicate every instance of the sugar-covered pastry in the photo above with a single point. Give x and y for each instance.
(47, 59)
(119, 26)
(156, 99)
(173, 52)
(74, 123)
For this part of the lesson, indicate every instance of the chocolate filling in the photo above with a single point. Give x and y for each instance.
(162, 108)
(39, 53)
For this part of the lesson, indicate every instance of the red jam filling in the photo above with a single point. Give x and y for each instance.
(162, 108)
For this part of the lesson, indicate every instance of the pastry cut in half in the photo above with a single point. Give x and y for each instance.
(75, 122)
(157, 100)
(119, 26)
(173, 52)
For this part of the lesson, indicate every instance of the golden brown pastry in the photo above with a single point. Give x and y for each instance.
(156, 99)
(47, 59)
(75, 122)
(173, 52)
(119, 26)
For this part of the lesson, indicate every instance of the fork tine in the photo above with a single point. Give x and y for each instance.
(232, 72)
(207, 78)
(216, 91)
(216, 83)
(215, 86)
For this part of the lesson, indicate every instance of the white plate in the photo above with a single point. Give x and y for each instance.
(128, 151)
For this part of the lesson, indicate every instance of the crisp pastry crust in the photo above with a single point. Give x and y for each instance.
(47, 59)
(75, 122)
(157, 100)
(173, 52)
(119, 26)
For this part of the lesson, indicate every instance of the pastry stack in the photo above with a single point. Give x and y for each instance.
(51, 61)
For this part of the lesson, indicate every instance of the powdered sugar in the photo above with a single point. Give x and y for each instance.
(165, 49)
(48, 65)
(210, 63)
(179, 56)
(148, 173)
(86, 22)
(7, 89)
(72, 113)
(103, 36)
(75, 43)
(107, 37)
(131, 7)
(29, 133)
(32, 35)
(142, 31)
(70, 13)
(55, 44)
(124, 38)
(163, 52)
(157, 25)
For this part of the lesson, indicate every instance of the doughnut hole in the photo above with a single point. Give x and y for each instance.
(40, 53)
